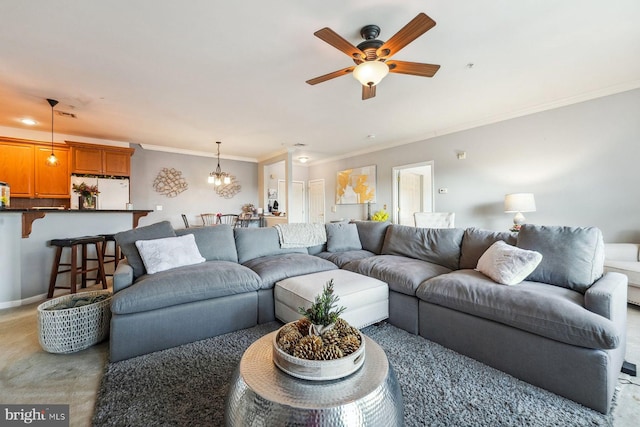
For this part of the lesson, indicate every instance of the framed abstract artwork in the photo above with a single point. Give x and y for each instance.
(356, 186)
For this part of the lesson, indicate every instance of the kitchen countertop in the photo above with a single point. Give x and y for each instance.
(31, 214)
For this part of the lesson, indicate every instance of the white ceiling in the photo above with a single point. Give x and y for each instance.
(184, 74)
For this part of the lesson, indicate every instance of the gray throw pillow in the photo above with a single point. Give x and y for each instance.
(572, 257)
(214, 243)
(342, 237)
(127, 242)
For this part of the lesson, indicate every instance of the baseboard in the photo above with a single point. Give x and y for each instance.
(26, 301)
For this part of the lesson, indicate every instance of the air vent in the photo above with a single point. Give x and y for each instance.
(299, 144)
(65, 114)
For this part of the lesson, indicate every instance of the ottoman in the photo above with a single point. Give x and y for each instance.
(366, 298)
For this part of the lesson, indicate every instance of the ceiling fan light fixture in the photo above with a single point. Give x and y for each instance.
(370, 73)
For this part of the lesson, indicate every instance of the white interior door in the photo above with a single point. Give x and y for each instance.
(296, 210)
(316, 201)
(410, 187)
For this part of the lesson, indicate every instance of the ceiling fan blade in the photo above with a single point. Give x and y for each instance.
(414, 29)
(413, 68)
(335, 40)
(330, 76)
(368, 92)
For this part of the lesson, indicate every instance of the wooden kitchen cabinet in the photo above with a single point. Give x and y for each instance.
(17, 167)
(52, 182)
(100, 159)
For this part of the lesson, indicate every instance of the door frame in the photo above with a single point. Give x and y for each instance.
(395, 175)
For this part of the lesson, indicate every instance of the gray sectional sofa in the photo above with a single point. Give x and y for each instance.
(562, 329)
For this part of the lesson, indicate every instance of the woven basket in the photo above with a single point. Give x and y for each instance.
(73, 329)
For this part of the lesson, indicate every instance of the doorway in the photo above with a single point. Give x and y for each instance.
(296, 210)
(316, 201)
(412, 191)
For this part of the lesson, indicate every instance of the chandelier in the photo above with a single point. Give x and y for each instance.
(218, 177)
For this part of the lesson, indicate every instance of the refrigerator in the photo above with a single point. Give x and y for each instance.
(114, 192)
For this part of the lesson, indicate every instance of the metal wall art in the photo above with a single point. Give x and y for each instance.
(229, 190)
(170, 182)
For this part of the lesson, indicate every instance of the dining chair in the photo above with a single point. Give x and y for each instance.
(186, 222)
(434, 219)
(209, 219)
(231, 219)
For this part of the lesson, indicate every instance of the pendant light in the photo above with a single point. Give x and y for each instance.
(52, 160)
(218, 177)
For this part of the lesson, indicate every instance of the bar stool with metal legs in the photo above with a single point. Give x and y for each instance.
(75, 269)
(114, 257)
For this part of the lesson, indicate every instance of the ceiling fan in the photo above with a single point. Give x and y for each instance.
(372, 55)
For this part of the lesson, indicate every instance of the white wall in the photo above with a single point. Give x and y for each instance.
(580, 161)
(199, 198)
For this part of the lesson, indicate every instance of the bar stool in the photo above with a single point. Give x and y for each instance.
(74, 269)
(115, 257)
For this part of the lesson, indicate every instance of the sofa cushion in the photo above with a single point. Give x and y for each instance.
(572, 257)
(126, 240)
(436, 245)
(475, 242)
(506, 264)
(215, 243)
(273, 268)
(342, 236)
(550, 311)
(211, 279)
(402, 274)
(372, 235)
(167, 253)
(258, 242)
(342, 258)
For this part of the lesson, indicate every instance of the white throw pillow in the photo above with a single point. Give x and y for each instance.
(171, 252)
(508, 264)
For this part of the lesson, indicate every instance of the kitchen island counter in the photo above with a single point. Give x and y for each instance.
(31, 214)
(25, 255)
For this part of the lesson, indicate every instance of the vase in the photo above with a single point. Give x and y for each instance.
(318, 329)
(87, 202)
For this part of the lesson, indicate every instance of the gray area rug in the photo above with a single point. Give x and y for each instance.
(187, 385)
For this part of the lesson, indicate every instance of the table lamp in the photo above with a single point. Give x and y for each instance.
(518, 203)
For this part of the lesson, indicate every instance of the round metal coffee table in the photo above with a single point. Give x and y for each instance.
(261, 394)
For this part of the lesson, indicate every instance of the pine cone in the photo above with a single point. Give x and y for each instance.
(303, 325)
(288, 328)
(341, 325)
(308, 347)
(329, 352)
(332, 336)
(349, 344)
(288, 340)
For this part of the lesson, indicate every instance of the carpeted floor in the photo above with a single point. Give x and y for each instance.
(187, 386)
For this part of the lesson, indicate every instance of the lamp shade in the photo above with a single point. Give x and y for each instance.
(370, 73)
(519, 202)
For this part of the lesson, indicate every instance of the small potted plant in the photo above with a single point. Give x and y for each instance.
(322, 314)
(87, 195)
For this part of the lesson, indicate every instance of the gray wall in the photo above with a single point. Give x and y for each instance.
(199, 198)
(580, 161)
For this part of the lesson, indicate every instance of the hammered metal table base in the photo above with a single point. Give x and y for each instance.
(261, 394)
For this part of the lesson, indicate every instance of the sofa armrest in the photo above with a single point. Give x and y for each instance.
(608, 298)
(622, 251)
(123, 276)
